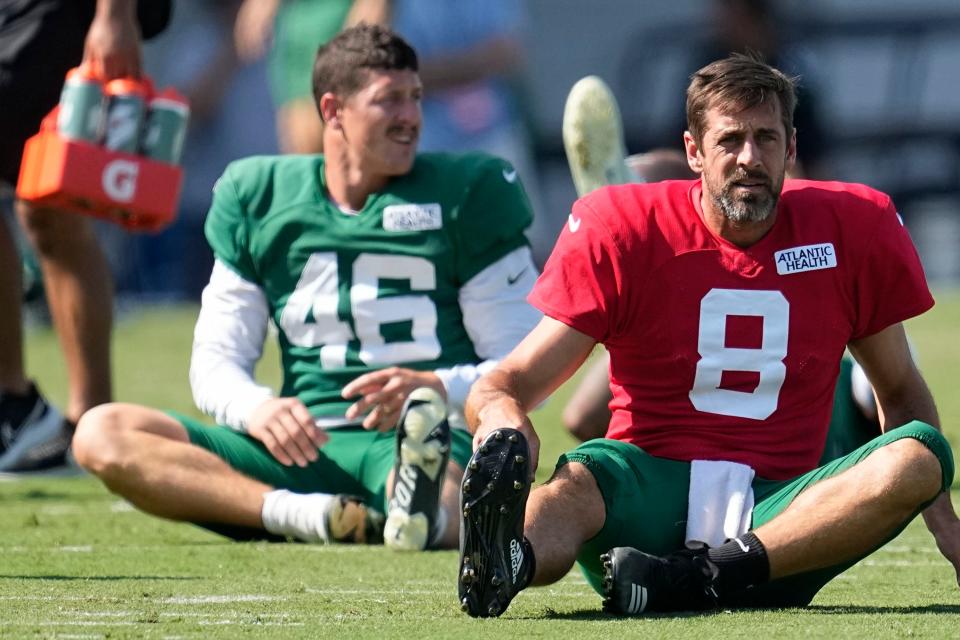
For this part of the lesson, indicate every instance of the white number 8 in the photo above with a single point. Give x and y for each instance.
(716, 357)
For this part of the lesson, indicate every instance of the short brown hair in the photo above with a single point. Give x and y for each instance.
(738, 82)
(342, 64)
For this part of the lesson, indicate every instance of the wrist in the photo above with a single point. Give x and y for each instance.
(432, 380)
(116, 9)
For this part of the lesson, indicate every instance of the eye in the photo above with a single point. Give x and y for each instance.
(766, 136)
(728, 140)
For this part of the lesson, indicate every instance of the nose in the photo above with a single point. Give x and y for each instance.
(409, 112)
(749, 154)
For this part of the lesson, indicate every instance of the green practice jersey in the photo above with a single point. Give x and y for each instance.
(355, 293)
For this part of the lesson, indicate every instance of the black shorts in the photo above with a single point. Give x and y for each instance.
(40, 40)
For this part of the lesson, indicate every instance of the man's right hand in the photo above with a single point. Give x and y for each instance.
(287, 430)
(505, 415)
(112, 46)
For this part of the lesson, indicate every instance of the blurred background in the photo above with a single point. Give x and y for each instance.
(878, 85)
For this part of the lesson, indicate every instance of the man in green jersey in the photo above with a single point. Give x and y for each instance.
(394, 280)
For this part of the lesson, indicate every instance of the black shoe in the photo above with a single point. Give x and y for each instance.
(34, 437)
(422, 452)
(495, 559)
(635, 582)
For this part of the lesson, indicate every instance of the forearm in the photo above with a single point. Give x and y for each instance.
(940, 515)
(495, 393)
(227, 343)
(912, 403)
(498, 57)
(225, 390)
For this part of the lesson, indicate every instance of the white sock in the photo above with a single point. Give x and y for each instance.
(298, 515)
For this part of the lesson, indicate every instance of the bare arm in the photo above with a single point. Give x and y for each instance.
(496, 57)
(253, 28)
(902, 396)
(549, 355)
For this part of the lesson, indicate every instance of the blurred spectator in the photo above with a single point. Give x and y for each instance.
(40, 40)
(471, 56)
(231, 117)
(291, 31)
(741, 26)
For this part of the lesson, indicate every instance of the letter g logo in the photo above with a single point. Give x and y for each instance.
(119, 180)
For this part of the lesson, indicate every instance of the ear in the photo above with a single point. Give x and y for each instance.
(694, 159)
(791, 151)
(330, 107)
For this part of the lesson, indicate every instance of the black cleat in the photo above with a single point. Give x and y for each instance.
(422, 452)
(494, 556)
(34, 437)
(635, 582)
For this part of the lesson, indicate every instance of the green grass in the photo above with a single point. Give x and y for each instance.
(77, 562)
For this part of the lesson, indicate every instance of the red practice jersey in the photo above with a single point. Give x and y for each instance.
(723, 353)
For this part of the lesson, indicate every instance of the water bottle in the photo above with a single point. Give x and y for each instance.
(126, 110)
(82, 106)
(167, 119)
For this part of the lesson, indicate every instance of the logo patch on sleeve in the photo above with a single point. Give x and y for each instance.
(412, 217)
(811, 257)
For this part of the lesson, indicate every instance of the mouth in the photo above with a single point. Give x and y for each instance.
(403, 136)
(750, 184)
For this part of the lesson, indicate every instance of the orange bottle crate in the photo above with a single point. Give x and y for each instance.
(130, 190)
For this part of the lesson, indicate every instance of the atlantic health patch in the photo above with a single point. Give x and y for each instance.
(809, 257)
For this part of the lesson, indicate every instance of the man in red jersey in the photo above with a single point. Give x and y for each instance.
(726, 304)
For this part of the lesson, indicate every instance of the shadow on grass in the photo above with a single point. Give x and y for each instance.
(593, 614)
(596, 614)
(39, 494)
(848, 609)
(97, 578)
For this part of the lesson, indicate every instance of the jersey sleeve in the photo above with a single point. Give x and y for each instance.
(227, 229)
(491, 220)
(580, 284)
(891, 286)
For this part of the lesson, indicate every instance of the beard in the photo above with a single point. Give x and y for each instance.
(747, 207)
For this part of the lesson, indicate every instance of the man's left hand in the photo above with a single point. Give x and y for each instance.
(384, 392)
(948, 541)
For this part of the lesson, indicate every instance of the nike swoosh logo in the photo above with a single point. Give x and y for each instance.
(510, 176)
(513, 279)
(742, 546)
(573, 223)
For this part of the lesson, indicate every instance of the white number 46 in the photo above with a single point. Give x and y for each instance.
(317, 296)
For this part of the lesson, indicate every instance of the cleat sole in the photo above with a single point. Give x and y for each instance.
(490, 522)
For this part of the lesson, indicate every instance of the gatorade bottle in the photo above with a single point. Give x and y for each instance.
(126, 109)
(82, 106)
(166, 127)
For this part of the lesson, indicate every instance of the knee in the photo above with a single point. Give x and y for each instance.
(916, 469)
(51, 232)
(100, 441)
(574, 487)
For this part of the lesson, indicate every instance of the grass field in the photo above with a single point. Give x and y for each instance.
(77, 562)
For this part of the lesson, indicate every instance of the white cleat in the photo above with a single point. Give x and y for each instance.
(593, 137)
(422, 452)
